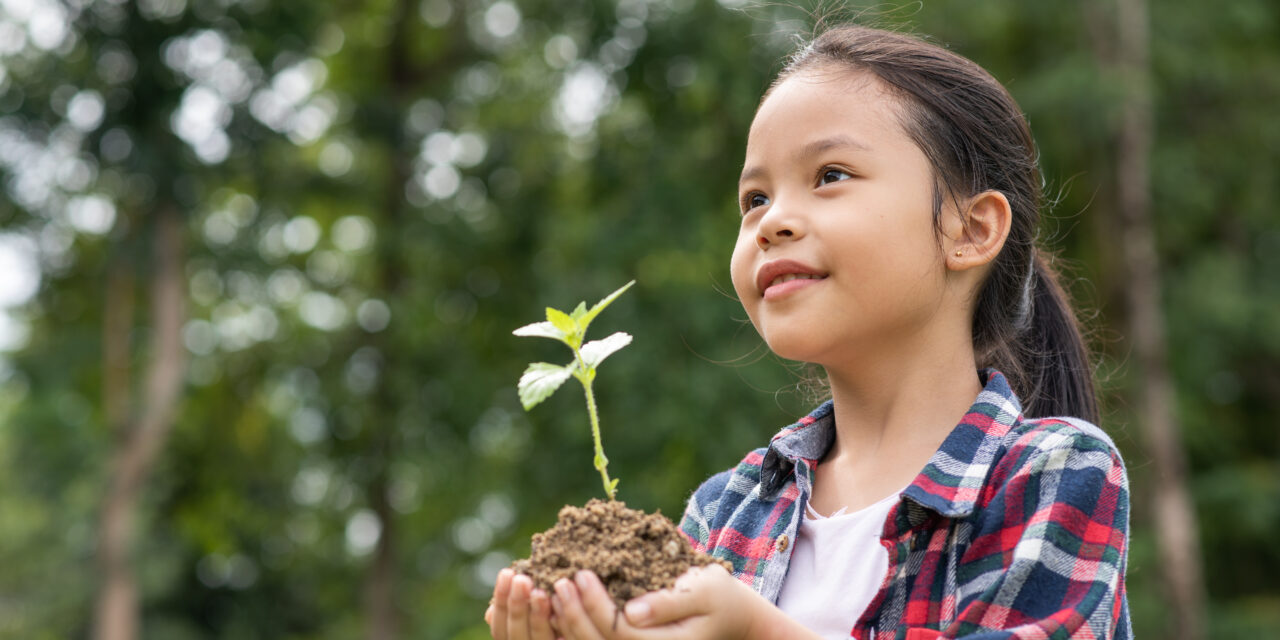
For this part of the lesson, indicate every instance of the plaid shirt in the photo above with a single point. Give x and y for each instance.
(1016, 528)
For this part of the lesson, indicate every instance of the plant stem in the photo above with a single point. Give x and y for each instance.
(602, 463)
(586, 377)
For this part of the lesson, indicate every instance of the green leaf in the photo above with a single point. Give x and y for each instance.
(561, 321)
(594, 352)
(541, 380)
(599, 306)
(613, 487)
(541, 330)
(579, 312)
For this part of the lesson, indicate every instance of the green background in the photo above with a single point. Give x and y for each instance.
(375, 194)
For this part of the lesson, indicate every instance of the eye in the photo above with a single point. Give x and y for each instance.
(830, 175)
(753, 200)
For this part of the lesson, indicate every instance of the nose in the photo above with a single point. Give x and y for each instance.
(777, 225)
(763, 241)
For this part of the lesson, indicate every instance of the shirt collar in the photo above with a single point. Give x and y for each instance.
(951, 481)
(807, 440)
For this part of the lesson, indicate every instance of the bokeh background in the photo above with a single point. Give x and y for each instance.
(260, 261)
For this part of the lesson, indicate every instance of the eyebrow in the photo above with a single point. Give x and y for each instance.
(810, 149)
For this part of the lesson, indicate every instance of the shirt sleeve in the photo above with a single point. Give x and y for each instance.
(699, 512)
(1050, 547)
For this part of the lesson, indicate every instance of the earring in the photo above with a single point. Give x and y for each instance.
(959, 253)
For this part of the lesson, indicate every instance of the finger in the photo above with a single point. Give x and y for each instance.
(659, 608)
(573, 620)
(540, 616)
(501, 590)
(689, 597)
(518, 607)
(597, 602)
(556, 610)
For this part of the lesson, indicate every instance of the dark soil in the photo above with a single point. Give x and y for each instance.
(633, 552)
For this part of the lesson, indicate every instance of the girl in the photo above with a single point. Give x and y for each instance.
(890, 197)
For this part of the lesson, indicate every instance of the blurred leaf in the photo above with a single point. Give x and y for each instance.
(594, 352)
(541, 330)
(540, 380)
(600, 306)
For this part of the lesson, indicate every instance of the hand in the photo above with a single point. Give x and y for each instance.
(706, 602)
(518, 611)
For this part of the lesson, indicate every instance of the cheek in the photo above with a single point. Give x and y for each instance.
(740, 269)
(904, 239)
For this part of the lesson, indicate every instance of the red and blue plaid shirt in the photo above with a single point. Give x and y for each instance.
(1016, 528)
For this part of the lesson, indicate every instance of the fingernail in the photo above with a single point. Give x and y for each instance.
(638, 611)
(562, 588)
(582, 580)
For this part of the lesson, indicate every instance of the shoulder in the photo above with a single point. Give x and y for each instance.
(1047, 545)
(719, 495)
(1060, 459)
(1035, 440)
(733, 484)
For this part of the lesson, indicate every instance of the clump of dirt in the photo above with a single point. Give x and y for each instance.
(633, 552)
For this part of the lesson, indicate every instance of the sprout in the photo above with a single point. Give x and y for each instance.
(541, 379)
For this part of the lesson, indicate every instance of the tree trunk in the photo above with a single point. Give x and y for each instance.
(1175, 520)
(117, 592)
(116, 609)
(382, 618)
(117, 323)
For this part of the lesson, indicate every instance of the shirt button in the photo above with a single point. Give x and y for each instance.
(781, 544)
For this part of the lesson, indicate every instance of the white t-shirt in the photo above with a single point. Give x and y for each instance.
(837, 566)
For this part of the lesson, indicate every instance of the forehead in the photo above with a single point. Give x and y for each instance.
(824, 102)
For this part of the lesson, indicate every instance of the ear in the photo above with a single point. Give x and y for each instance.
(978, 235)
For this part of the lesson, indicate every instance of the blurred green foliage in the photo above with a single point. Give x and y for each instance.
(376, 194)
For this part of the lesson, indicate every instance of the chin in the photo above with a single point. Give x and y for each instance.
(797, 347)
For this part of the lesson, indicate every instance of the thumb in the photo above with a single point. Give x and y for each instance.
(690, 597)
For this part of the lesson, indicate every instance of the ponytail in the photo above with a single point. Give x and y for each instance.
(1042, 351)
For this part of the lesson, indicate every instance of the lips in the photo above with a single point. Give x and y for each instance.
(779, 272)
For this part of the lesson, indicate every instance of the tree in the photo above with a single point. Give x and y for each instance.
(1175, 520)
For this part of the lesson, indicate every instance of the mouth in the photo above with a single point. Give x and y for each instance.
(781, 276)
(792, 276)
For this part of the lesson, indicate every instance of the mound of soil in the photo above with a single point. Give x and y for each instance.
(633, 552)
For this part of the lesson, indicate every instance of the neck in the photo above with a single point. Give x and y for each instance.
(901, 401)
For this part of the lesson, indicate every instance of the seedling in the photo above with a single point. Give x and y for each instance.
(542, 379)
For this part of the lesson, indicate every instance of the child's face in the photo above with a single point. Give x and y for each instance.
(835, 191)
